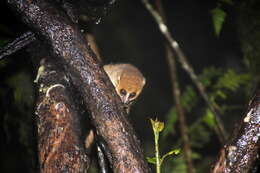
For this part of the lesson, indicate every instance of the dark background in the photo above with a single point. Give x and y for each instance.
(129, 35)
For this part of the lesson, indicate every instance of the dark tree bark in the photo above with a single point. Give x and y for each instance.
(81, 12)
(60, 145)
(241, 153)
(17, 44)
(87, 75)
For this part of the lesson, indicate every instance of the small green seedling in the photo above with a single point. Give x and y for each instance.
(157, 160)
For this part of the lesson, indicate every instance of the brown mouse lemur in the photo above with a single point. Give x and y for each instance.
(127, 80)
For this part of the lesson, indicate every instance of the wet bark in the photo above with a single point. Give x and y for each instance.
(85, 72)
(241, 153)
(60, 147)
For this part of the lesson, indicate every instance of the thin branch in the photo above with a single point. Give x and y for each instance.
(187, 67)
(102, 160)
(66, 42)
(17, 44)
(176, 95)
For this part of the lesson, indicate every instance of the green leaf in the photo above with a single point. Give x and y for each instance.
(221, 94)
(189, 98)
(218, 18)
(151, 160)
(209, 119)
(172, 152)
(232, 81)
(209, 74)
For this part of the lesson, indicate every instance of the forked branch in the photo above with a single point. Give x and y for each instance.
(85, 72)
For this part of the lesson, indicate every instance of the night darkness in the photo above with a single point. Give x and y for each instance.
(129, 34)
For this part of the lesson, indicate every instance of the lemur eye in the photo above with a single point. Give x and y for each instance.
(132, 95)
(123, 92)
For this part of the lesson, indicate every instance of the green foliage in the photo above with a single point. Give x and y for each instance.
(218, 18)
(221, 85)
(189, 100)
(209, 75)
(157, 160)
(151, 160)
(209, 119)
(219, 15)
(172, 152)
(232, 81)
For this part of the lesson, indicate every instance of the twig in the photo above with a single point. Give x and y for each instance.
(17, 44)
(176, 95)
(188, 68)
(101, 159)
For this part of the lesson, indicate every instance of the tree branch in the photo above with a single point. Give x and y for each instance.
(241, 153)
(87, 75)
(82, 12)
(59, 144)
(187, 67)
(102, 159)
(17, 44)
